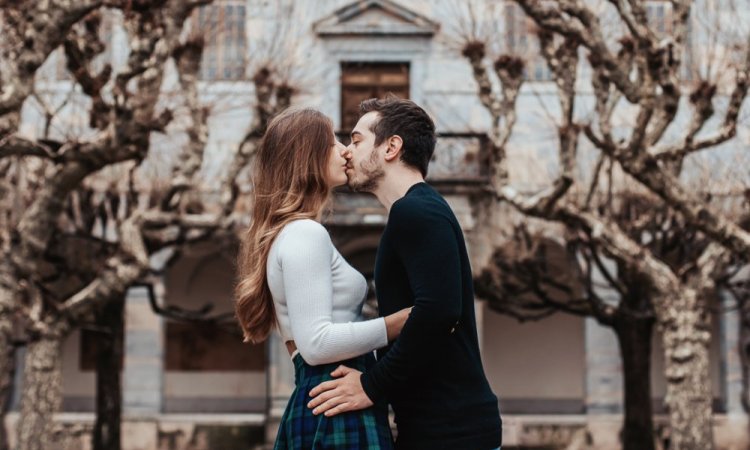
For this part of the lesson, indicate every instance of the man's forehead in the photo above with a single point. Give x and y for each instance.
(364, 124)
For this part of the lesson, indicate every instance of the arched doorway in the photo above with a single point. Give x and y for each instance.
(207, 367)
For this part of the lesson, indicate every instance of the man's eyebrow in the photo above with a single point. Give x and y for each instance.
(355, 132)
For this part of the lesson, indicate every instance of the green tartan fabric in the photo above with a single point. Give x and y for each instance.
(356, 430)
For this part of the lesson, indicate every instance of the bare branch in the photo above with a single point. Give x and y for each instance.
(645, 169)
(713, 263)
(602, 231)
(703, 112)
(593, 186)
(43, 25)
(271, 98)
(187, 57)
(120, 272)
(586, 30)
(153, 31)
(12, 145)
(634, 16)
(502, 107)
(617, 284)
(80, 51)
(606, 94)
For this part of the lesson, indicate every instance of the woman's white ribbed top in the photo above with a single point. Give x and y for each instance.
(318, 296)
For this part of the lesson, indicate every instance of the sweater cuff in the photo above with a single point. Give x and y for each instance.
(368, 385)
(371, 334)
(383, 339)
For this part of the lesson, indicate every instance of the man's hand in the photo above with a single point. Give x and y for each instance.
(343, 394)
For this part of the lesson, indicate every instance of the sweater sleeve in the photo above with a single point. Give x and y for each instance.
(305, 254)
(428, 248)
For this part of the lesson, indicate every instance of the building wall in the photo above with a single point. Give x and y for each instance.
(205, 276)
(535, 367)
(79, 386)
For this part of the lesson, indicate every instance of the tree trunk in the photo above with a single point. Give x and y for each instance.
(7, 371)
(7, 349)
(744, 351)
(686, 338)
(42, 395)
(634, 336)
(108, 365)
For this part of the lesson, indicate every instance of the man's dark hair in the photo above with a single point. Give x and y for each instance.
(407, 120)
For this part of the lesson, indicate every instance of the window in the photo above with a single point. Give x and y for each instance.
(197, 347)
(203, 280)
(659, 14)
(360, 81)
(222, 25)
(660, 17)
(521, 41)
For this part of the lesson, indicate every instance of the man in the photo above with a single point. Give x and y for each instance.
(432, 374)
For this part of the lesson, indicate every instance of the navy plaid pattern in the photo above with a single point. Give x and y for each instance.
(356, 430)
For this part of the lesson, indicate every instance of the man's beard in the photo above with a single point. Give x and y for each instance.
(370, 174)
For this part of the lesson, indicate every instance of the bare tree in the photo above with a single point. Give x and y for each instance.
(537, 273)
(643, 75)
(736, 283)
(31, 32)
(125, 125)
(79, 243)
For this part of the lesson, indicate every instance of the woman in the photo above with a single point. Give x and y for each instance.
(291, 277)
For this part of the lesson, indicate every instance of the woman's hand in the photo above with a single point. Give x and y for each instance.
(395, 322)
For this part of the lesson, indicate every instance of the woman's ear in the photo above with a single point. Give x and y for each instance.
(395, 143)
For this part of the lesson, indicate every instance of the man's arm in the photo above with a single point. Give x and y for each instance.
(429, 251)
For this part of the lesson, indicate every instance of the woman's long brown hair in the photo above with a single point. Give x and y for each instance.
(290, 183)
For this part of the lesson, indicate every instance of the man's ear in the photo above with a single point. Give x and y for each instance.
(393, 151)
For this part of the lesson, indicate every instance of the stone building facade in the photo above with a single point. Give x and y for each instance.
(187, 387)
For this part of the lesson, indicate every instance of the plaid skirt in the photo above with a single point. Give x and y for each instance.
(300, 429)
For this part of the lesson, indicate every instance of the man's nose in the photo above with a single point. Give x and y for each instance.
(346, 153)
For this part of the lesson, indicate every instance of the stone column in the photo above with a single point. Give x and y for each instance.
(729, 326)
(15, 396)
(604, 389)
(280, 373)
(143, 370)
(479, 306)
(731, 431)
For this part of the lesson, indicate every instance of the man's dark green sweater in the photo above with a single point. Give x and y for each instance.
(432, 374)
